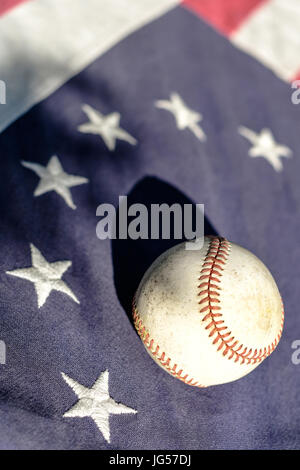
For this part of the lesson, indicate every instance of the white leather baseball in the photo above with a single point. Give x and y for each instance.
(208, 316)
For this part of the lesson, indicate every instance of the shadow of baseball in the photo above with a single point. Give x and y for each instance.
(131, 258)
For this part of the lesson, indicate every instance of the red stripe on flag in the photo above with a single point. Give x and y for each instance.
(226, 16)
(6, 5)
(296, 77)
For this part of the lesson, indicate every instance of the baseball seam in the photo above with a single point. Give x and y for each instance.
(209, 287)
(159, 355)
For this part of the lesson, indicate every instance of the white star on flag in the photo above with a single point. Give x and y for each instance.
(106, 126)
(264, 145)
(54, 178)
(45, 276)
(95, 403)
(185, 117)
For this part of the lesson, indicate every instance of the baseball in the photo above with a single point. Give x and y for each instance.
(208, 316)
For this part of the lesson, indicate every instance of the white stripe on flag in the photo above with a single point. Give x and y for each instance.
(43, 43)
(271, 35)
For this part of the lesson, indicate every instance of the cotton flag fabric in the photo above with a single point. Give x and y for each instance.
(161, 101)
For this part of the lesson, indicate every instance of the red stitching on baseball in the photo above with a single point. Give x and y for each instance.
(214, 262)
(155, 351)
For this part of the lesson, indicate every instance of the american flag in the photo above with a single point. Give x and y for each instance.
(162, 101)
